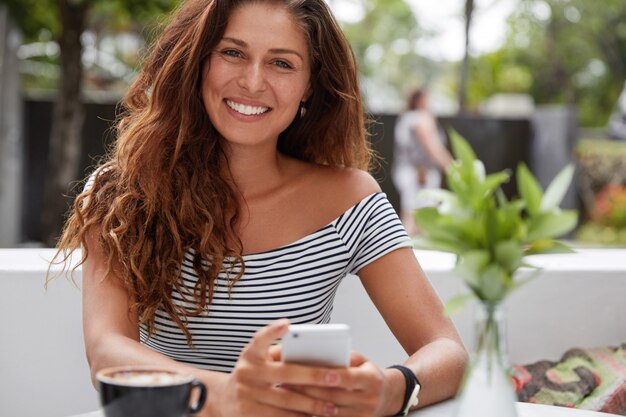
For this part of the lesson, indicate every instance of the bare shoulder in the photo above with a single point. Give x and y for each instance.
(341, 188)
(353, 182)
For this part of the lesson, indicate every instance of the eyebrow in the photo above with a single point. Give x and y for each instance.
(242, 44)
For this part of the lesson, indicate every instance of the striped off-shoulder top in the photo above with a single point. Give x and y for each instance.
(296, 281)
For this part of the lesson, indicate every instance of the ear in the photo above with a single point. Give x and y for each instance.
(307, 93)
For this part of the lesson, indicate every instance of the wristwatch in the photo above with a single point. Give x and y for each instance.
(413, 387)
(413, 401)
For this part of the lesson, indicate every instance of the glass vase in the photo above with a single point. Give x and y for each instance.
(487, 388)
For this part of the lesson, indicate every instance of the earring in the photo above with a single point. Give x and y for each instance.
(302, 109)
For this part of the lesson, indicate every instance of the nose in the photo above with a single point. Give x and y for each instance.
(252, 78)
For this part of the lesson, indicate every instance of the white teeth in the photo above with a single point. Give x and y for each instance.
(244, 109)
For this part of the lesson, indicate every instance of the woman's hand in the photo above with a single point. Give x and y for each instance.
(259, 384)
(363, 390)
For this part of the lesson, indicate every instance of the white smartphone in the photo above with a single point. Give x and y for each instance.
(318, 345)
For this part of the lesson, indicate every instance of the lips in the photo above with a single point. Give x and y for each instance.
(245, 109)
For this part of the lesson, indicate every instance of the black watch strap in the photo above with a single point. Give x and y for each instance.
(412, 389)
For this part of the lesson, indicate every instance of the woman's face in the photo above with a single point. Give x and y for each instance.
(257, 75)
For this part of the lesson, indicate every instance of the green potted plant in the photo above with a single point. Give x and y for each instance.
(491, 236)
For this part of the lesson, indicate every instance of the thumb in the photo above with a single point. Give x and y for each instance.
(257, 348)
(356, 359)
(275, 352)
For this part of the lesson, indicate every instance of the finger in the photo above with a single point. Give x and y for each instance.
(348, 403)
(256, 350)
(275, 352)
(297, 374)
(338, 396)
(356, 359)
(365, 377)
(293, 401)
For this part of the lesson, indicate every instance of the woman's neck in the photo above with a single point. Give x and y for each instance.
(257, 172)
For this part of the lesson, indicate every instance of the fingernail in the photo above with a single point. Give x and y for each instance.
(332, 378)
(281, 323)
(330, 410)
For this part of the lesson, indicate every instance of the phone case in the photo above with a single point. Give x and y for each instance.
(318, 345)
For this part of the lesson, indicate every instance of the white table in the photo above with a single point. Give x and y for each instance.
(446, 409)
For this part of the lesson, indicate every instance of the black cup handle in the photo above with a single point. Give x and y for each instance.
(201, 399)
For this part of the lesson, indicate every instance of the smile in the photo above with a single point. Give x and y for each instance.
(245, 109)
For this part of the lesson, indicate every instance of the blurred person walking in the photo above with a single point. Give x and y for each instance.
(419, 156)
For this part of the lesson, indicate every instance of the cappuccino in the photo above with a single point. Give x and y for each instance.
(145, 378)
(144, 391)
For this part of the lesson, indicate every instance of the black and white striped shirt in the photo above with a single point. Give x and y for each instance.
(297, 281)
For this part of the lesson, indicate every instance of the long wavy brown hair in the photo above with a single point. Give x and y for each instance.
(161, 193)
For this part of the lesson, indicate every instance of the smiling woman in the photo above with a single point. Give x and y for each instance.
(258, 74)
(235, 201)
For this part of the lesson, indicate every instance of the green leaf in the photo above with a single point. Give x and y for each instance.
(493, 181)
(494, 284)
(438, 195)
(509, 255)
(529, 266)
(529, 276)
(479, 170)
(461, 149)
(457, 185)
(426, 216)
(557, 189)
(465, 162)
(529, 189)
(457, 303)
(501, 198)
(490, 226)
(449, 229)
(471, 266)
(448, 202)
(547, 246)
(439, 244)
(510, 221)
(553, 224)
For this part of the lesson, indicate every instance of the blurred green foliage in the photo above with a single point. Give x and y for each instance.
(40, 22)
(560, 51)
(33, 16)
(384, 44)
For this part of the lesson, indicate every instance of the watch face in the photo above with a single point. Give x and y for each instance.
(413, 399)
(412, 383)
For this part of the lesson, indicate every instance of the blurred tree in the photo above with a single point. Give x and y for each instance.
(384, 43)
(468, 14)
(67, 20)
(566, 48)
(497, 72)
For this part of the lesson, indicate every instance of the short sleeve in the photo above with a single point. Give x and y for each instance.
(370, 230)
(92, 178)
(90, 182)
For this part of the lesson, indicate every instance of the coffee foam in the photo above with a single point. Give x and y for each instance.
(144, 378)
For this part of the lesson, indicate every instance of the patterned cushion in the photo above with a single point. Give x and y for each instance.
(590, 379)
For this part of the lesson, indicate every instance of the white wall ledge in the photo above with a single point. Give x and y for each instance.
(612, 260)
